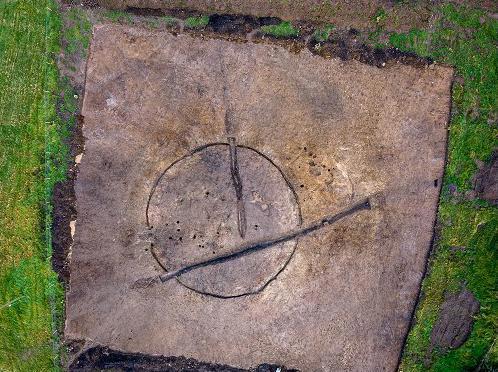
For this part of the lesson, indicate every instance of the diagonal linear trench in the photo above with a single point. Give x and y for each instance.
(256, 246)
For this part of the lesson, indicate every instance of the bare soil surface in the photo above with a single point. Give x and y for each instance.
(339, 131)
(343, 44)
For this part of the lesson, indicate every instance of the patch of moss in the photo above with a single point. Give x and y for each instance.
(380, 17)
(282, 30)
(414, 41)
(197, 22)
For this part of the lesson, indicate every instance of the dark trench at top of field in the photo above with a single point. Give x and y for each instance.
(321, 39)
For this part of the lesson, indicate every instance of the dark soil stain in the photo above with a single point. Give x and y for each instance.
(455, 320)
(146, 12)
(103, 359)
(64, 203)
(486, 181)
(64, 211)
(344, 44)
(235, 24)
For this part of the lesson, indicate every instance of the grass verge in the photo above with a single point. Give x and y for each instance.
(466, 39)
(32, 159)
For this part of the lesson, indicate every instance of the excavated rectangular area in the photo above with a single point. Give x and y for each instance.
(199, 149)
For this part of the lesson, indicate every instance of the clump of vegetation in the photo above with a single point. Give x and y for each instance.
(153, 22)
(380, 17)
(118, 16)
(321, 35)
(197, 22)
(413, 41)
(282, 30)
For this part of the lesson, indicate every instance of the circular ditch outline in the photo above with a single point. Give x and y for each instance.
(289, 185)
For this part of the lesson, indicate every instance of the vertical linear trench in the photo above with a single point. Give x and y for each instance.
(237, 184)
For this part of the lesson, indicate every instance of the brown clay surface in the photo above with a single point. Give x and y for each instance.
(339, 131)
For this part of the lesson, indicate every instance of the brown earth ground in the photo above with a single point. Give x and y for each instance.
(338, 130)
(362, 14)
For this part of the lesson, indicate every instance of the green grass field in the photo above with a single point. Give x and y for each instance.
(30, 295)
(33, 157)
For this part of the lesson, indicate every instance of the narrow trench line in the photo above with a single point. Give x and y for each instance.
(237, 184)
(232, 148)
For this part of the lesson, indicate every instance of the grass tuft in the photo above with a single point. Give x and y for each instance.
(321, 35)
(197, 22)
(169, 20)
(282, 30)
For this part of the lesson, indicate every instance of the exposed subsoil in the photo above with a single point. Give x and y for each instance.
(289, 102)
(344, 44)
(102, 358)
